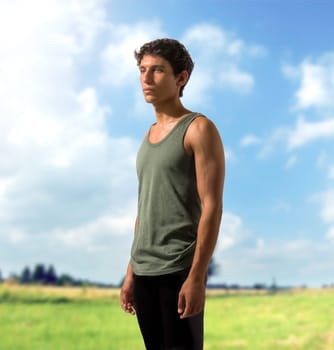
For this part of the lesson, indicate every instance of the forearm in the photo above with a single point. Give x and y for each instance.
(207, 235)
(126, 294)
(129, 271)
(192, 294)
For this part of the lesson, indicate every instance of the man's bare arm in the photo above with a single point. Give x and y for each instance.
(204, 141)
(126, 295)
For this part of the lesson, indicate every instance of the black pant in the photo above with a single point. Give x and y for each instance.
(156, 301)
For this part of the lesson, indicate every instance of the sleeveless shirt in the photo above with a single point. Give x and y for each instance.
(168, 205)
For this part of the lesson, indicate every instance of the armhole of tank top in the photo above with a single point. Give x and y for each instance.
(194, 116)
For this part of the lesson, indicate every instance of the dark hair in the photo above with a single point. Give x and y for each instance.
(172, 51)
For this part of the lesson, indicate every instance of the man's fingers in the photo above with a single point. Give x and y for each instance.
(184, 307)
(129, 308)
(190, 309)
(127, 304)
(181, 304)
(187, 312)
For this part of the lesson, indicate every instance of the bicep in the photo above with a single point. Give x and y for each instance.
(209, 161)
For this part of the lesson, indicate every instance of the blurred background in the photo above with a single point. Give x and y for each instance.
(72, 117)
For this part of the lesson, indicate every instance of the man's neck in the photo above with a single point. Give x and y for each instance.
(170, 112)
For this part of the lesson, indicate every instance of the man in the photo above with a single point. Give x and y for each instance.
(180, 167)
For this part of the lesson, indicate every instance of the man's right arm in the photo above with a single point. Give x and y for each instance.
(127, 302)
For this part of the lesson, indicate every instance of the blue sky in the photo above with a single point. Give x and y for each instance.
(72, 117)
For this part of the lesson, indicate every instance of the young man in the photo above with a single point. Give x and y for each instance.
(180, 167)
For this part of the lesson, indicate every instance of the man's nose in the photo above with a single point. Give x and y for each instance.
(148, 77)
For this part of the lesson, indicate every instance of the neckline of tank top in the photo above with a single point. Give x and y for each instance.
(191, 114)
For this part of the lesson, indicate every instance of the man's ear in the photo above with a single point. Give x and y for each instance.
(182, 78)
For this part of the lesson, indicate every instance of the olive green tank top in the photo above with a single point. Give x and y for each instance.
(168, 205)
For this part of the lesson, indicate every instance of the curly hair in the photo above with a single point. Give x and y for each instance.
(172, 51)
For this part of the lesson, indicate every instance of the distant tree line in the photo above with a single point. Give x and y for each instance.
(46, 275)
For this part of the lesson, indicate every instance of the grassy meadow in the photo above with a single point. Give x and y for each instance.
(48, 318)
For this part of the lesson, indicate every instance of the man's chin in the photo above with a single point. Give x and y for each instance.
(149, 99)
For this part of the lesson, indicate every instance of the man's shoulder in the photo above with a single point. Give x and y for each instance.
(202, 125)
(201, 134)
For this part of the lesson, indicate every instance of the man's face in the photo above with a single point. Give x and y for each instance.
(158, 81)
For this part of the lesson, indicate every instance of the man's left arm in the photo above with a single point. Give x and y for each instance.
(205, 143)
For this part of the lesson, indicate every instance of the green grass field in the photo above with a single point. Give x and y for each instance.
(40, 318)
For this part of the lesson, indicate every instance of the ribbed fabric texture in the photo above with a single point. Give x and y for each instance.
(168, 205)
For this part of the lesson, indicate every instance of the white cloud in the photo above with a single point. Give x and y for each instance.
(330, 233)
(210, 43)
(5, 184)
(218, 54)
(327, 201)
(196, 92)
(232, 232)
(250, 140)
(306, 132)
(233, 78)
(229, 155)
(316, 90)
(246, 255)
(278, 136)
(325, 164)
(16, 236)
(68, 187)
(316, 82)
(214, 38)
(264, 259)
(303, 133)
(217, 40)
(119, 66)
(63, 177)
(100, 232)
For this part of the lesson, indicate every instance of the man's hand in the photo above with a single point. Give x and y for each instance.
(126, 296)
(191, 298)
